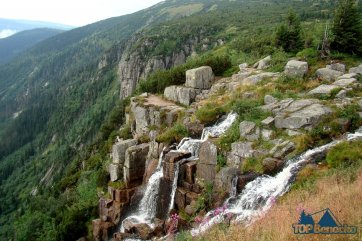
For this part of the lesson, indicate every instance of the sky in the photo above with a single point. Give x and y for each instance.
(70, 12)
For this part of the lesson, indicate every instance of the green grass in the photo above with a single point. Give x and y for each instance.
(209, 113)
(345, 154)
(173, 134)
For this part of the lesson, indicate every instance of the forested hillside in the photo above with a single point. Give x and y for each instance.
(12, 46)
(60, 109)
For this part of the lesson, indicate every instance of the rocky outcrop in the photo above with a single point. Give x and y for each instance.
(207, 163)
(136, 64)
(337, 67)
(323, 90)
(296, 69)
(272, 165)
(199, 78)
(119, 150)
(135, 163)
(181, 94)
(150, 110)
(263, 63)
(356, 70)
(240, 151)
(328, 74)
(249, 131)
(223, 179)
(296, 114)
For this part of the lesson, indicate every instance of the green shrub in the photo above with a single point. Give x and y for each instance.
(249, 110)
(221, 161)
(345, 154)
(351, 113)
(173, 134)
(209, 113)
(252, 164)
(158, 81)
(232, 135)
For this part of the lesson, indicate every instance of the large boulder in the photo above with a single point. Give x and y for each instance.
(356, 70)
(282, 149)
(296, 68)
(328, 74)
(323, 90)
(308, 116)
(199, 78)
(223, 180)
(239, 152)
(345, 82)
(337, 66)
(208, 160)
(245, 178)
(180, 94)
(249, 130)
(268, 99)
(255, 79)
(272, 165)
(119, 150)
(135, 162)
(263, 63)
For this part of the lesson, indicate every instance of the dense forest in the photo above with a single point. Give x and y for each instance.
(60, 109)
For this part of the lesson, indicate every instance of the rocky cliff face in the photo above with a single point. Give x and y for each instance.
(136, 64)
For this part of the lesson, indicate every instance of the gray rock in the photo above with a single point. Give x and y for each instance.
(309, 116)
(199, 78)
(348, 76)
(345, 82)
(263, 63)
(114, 172)
(255, 79)
(338, 67)
(293, 133)
(119, 150)
(283, 149)
(239, 152)
(299, 104)
(268, 121)
(272, 165)
(268, 99)
(323, 90)
(180, 94)
(135, 162)
(356, 70)
(342, 94)
(224, 178)
(249, 130)
(243, 66)
(296, 68)
(267, 134)
(208, 160)
(328, 74)
(240, 76)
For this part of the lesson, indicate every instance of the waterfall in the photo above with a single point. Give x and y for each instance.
(234, 187)
(260, 194)
(148, 205)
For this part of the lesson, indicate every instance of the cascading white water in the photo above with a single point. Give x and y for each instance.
(189, 145)
(260, 194)
(148, 205)
(234, 187)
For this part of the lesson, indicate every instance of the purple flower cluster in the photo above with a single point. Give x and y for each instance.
(175, 217)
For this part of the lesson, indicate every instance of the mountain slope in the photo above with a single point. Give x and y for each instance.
(57, 98)
(19, 42)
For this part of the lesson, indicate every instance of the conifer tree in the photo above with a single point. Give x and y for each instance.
(289, 36)
(347, 28)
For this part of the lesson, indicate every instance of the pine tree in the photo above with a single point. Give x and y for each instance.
(347, 28)
(289, 36)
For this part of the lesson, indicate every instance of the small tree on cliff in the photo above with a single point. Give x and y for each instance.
(288, 36)
(347, 28)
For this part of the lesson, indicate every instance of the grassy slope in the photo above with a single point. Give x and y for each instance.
(343, 197)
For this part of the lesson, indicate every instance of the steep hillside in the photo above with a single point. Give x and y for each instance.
(60, 107)
(12, 46)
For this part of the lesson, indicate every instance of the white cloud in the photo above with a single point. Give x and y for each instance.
(6, 33)
(71, 12)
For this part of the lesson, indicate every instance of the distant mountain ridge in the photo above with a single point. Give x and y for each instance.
(9, 27)
(12, 46)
